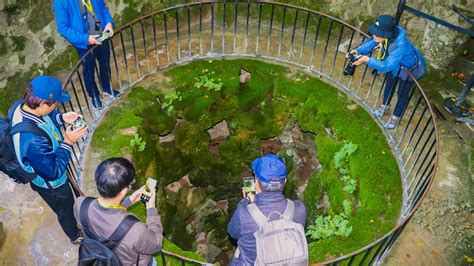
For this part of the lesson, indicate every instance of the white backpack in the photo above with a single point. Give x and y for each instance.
(280, 241)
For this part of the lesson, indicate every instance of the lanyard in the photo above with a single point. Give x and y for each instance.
(111, 206)
(88, 5)
(382, 49)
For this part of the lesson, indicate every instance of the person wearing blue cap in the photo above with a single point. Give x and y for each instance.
(47, 155)
(270, 179)
(395, 55)
(82, 22)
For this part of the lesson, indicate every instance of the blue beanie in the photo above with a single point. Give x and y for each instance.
(270, 169)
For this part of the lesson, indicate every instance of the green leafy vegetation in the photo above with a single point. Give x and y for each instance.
(138, 143)
(337, 225)
(19, 43)
(207, 82)
(168, 102)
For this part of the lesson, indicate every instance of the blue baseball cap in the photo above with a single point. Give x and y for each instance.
(385, 26)
(270, 169)
(49, 88)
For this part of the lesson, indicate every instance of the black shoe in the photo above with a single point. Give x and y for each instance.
(96, 103)
(115, 93)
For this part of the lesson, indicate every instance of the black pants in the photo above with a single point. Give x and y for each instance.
(102, 54)
(404, 89)
(61, 202)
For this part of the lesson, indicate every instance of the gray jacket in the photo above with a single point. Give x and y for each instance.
(141, 241)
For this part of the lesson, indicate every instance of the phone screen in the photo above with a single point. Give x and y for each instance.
(249, 184)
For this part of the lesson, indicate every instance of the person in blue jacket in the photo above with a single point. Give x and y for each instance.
(395, 54)
(48, 157)
(81, 22)
(270, 172)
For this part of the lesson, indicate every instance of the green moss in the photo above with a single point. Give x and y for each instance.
(19, 43)
(49, 44)
(3, 45)
(255, 111)
(15, 88)
(64, 61)
(41, 15)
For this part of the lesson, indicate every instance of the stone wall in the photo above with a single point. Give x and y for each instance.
(30, 43)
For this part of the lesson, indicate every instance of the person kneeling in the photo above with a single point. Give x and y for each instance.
(103, 217)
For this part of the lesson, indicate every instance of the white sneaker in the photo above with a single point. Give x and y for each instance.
(381, 111)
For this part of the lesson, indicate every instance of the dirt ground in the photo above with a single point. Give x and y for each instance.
(442, 230)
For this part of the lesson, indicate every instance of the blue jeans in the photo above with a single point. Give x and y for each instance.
(102, 54)
(404, 89)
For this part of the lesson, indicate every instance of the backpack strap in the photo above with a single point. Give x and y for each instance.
(84, 219)
(118, 234)
(289, 211)
(26, 126)
(256, 214)
(121, 231)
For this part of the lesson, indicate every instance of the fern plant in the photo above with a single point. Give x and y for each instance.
(205, 81)
(138, 142)
(167, 104)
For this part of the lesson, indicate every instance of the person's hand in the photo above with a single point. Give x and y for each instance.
(151, 203)
(93, 40)
(135, 197)
(109, 27)
(70, 117)
(72, 136)
(362, 60)
(250, 197)
(351, 52)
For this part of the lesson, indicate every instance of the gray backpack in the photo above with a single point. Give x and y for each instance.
(280, 241)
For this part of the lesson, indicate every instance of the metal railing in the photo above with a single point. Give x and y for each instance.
(277, 32)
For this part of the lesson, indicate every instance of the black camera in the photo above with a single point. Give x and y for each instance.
(350, 68)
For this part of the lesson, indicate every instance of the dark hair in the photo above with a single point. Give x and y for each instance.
(268, 187)
(32, 101)
(113, 175)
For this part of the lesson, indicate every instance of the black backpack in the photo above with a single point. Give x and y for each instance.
(96, 250)
(8, 161)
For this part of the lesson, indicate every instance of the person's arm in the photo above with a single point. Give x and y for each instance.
(151, 238)
(233, 227)
(389, 64)
(300, 213)
(106, 13)
(48, 163)
(64, 24)
(57, 117)
(366, 47)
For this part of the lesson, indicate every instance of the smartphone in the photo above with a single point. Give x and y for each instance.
(79, 123)
(105, 35)
(149, 187)
(249, 185)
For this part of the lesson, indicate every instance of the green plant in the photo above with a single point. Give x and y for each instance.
(138, 142)
(329, 226)
(167, 104)
(205, 81)
(341, 160)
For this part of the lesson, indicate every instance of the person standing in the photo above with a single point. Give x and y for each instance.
(105, 214)
(49, 156)
(82, 22)
(270, 179)
(395, 54)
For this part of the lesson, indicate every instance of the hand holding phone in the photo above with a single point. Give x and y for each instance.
(79, 123)
(149, 190)
(105, 35)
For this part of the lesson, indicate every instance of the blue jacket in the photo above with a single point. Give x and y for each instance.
(70, 21)
(401, 52)
(242, 226)
(48, 158)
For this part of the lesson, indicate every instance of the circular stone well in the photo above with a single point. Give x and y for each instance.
(196, 129)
